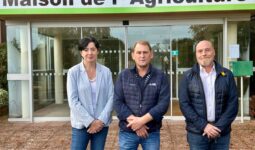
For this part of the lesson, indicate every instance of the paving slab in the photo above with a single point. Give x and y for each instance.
(57, 135)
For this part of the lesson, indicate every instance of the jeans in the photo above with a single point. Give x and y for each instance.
(199, 142)
(81, 138)
(130, 141)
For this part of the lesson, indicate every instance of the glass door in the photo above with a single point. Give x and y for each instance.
(54, 51)
(159, 38)
(174, 48)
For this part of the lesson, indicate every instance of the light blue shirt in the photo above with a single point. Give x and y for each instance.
(208, 80)
(93, 89)
(80, 96)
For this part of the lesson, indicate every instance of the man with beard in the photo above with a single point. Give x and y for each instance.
(208, 101)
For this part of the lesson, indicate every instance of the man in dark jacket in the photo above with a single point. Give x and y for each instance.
(141, 98)
(208, 101)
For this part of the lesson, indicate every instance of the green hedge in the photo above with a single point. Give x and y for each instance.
(3, 66)
(3, 97)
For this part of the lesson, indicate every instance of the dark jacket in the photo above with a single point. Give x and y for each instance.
(193, 104)
(130, 99)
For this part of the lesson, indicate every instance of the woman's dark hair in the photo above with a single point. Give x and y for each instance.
(83, 43)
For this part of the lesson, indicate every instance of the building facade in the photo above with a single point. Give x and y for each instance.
(42, 39)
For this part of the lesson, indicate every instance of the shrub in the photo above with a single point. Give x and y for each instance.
(252, 106)
(3, 97)
(3, 66)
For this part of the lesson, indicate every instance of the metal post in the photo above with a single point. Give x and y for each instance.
(241, 99)
(171, 83)
(176, 77)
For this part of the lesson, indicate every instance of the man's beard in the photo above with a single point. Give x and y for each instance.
(206, 63)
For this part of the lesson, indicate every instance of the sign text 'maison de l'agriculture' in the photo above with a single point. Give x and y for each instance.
(111, 3)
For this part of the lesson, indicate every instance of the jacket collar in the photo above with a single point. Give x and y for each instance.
(219, 69)
(134, 70)
(82, 69)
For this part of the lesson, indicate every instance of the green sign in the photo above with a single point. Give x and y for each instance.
(242, 68)
(19, 7)
(175, 52)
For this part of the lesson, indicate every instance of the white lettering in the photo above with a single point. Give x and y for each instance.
(38, 2)
(90, 2)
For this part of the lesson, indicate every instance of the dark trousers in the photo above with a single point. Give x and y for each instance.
(81, 138)
(199, 142)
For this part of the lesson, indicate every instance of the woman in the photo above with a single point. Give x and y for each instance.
(90, 98)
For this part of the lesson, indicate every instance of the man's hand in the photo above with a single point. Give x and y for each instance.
(136, 123)
(142, 132)
(211, 131)
(130, 118)
(95, 127)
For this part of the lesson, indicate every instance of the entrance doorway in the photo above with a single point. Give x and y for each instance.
(54, 51)
(173, 48)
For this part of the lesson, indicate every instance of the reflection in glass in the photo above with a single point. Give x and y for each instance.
(18, 99)
(243, 39)
(166, 41)
(17, 51)
(55, 51)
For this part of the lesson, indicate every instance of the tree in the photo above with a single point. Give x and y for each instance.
(3, 66)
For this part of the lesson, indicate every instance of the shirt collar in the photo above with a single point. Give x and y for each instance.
(202, 70)
(134, 70)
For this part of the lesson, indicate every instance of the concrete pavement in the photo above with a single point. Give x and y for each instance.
(57, 135)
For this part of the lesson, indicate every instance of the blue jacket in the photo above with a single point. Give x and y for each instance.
(130, 99)
(193, 104)
(80, 99)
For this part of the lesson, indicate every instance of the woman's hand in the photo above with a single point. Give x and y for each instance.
(95, 127)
